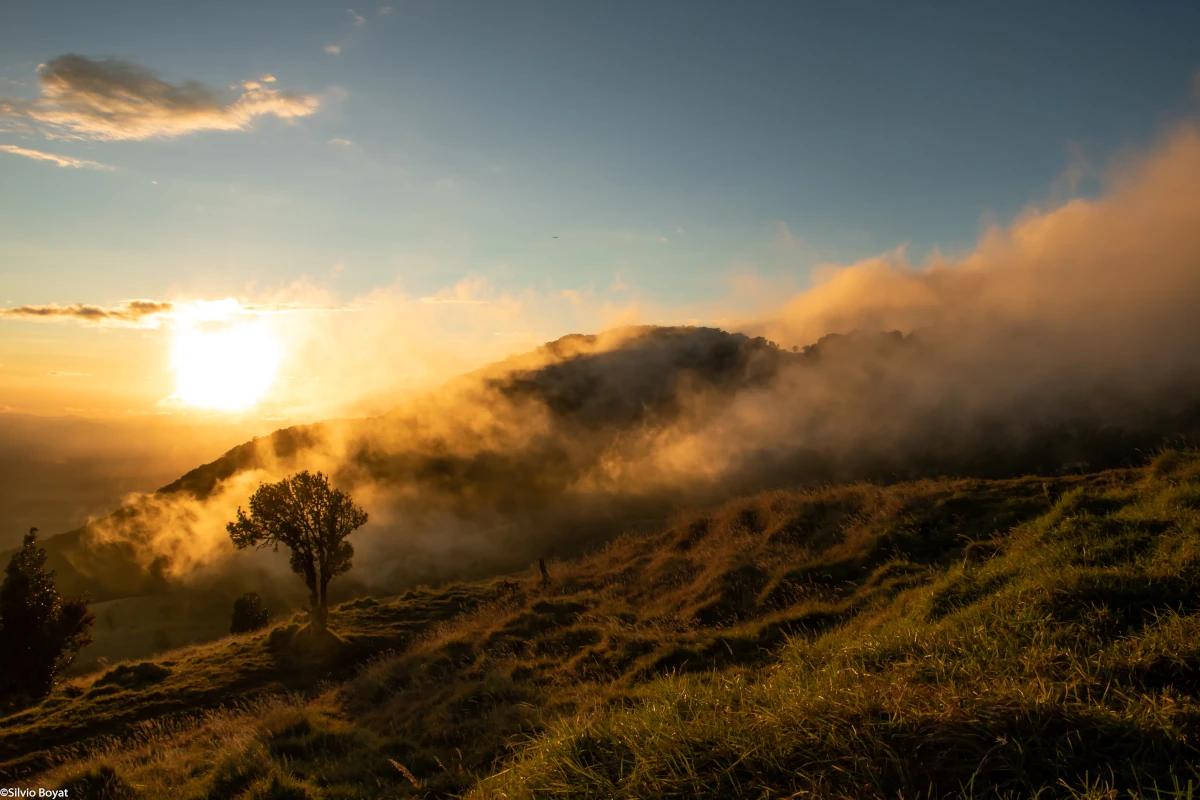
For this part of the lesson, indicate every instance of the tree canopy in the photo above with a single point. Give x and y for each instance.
(309, 517)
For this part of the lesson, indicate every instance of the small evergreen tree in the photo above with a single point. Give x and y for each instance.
(40, 632)
(249, 614)
(309, 517)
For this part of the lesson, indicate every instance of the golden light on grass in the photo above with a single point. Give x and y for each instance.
(223, 361)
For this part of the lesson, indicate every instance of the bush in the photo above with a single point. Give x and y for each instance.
(249, 614)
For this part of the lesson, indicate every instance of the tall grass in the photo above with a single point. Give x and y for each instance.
(1065, 665)
(956, 638)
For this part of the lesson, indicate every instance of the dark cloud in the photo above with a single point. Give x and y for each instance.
(133, 311)
(113, 99)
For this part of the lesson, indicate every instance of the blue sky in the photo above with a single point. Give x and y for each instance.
(662, 141)
(543, 146)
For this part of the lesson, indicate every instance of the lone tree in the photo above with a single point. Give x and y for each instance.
(40, 632)
(310, 518)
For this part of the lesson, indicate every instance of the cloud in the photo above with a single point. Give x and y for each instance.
(386, 11)
(333, 49)
(111, 99)
(356, 18)
(1110, 281)
(133, 312)
(338, 141)
(53, 158)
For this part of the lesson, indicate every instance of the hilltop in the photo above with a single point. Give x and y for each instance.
(509, 438)
(937, 638)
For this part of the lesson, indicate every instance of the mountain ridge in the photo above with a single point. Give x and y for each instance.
(572, 435)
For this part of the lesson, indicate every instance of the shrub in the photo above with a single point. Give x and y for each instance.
(249, 614)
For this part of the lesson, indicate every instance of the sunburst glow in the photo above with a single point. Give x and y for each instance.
(221, 362)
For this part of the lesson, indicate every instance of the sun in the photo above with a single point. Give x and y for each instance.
(223, 364)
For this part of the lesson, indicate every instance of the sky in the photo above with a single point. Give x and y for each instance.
(434, 183)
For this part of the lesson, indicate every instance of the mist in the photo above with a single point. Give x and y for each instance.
(57, 471)
(1066, 339)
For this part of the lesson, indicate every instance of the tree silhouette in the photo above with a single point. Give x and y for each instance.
(40, 632)
(249, 613)
(310, 518)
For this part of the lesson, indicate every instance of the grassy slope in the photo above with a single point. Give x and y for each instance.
(929, 639)
(211, 675)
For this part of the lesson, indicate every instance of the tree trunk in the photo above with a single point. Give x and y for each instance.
(320, 606)
(318, 614)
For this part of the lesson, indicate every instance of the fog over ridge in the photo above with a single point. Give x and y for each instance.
(1065, 338)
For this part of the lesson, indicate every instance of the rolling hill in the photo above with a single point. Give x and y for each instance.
(1032, 636)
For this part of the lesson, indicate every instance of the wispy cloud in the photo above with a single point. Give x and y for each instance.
(132, 312)
(84, 98)
(53, 158)
(145, 313)
(471, 291)
(338, 141)
(357, 20)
